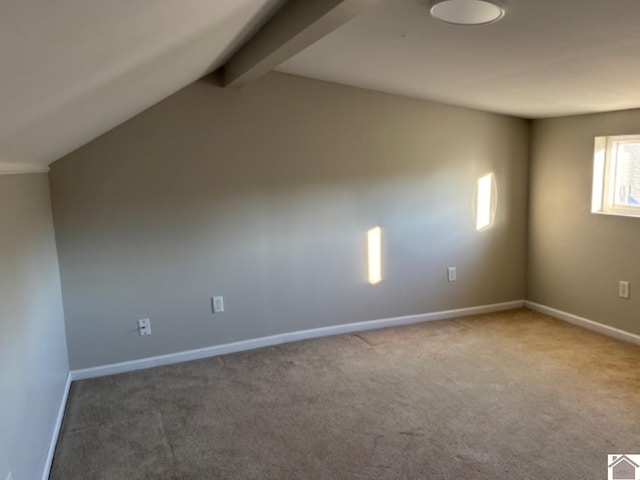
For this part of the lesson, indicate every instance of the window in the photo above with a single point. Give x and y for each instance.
(616, 175)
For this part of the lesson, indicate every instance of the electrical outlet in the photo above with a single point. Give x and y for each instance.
(144, 327)
(218, 304)
(623, 289)
(451, 274)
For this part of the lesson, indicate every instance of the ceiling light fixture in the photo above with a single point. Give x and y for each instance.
(467, 12)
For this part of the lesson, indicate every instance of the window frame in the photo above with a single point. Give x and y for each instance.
(604, 176)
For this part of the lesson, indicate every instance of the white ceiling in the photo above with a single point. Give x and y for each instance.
(544, 58)
(73, 69)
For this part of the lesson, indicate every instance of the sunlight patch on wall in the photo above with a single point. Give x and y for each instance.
(486, 202)
(374, 245)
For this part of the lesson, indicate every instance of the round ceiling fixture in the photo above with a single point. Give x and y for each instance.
(467, 12)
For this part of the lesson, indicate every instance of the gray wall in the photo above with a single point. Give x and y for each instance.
(33, 356)
(264, 195)
(577, 258)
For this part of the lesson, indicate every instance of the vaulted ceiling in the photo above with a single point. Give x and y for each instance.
(544, 58)
(73, 69)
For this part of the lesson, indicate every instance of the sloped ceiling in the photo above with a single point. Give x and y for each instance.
(73, 69)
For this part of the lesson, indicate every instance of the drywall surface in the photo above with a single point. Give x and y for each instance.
(264, 195)
(33, 352)
(576, 258)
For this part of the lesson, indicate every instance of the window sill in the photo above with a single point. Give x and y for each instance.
(617, 214)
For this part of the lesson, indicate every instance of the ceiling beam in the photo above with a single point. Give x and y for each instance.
(298, 24)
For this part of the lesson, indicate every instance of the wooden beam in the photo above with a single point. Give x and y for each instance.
(298, 24)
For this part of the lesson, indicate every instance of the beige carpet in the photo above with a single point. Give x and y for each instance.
(500, 396)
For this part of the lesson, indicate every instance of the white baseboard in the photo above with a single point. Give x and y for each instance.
(56, 428)
(251, 344)
(586, 323)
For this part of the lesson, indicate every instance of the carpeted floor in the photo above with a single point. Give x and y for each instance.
(499, 396)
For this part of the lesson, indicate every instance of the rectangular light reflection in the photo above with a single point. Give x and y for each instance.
(484, 202)
(374, 243)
